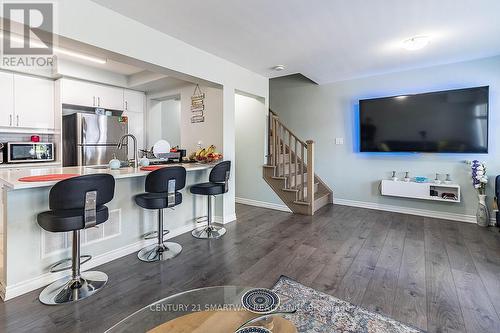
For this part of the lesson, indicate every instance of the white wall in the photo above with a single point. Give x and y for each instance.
(250, 119)
(208, 132)
(154, 123)
(171, 120)
(117, 33)
(163, 122)
(325, 112)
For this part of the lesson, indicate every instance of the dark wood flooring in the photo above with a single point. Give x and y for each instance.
(441, 276)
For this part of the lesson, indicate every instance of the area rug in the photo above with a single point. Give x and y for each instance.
(319, 312)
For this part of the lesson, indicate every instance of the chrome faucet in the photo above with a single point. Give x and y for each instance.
(134, 139)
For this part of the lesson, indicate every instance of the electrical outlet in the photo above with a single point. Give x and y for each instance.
(339, 141)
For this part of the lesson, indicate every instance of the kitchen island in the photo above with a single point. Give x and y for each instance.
(27, 251)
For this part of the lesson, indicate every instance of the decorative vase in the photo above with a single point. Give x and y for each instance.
(482, 215)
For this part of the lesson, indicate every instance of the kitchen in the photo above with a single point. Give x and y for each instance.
(83, 118)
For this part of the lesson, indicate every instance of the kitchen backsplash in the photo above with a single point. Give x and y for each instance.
(21, 137)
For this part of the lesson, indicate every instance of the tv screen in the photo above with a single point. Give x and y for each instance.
(453, 121)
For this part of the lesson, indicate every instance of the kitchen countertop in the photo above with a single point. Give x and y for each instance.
(10, 178)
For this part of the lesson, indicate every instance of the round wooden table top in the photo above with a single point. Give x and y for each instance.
(212, 309)
(221, 322)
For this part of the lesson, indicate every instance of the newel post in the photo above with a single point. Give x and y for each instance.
(310, 175)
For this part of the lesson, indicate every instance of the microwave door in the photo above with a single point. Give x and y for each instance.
(100, 130)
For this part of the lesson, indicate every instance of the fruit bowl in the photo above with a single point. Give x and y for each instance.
(206, 155)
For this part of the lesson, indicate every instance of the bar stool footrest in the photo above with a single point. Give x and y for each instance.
(209, 232)
(201, 219)
(66, 264)
(154, 234)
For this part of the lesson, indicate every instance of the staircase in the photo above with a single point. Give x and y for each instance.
(290, 170)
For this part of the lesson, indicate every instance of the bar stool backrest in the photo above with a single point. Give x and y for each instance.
(220, 172)
(158, 181)
(71, 193)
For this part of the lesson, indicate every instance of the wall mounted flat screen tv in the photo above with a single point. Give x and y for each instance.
(452, 121)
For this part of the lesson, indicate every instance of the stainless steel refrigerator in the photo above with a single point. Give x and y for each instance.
(91, 139)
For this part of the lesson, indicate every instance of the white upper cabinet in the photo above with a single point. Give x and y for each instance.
(110, 97)
(33, 102)
(78, 93)
(133, 101)
(82, 93)
(6, 99)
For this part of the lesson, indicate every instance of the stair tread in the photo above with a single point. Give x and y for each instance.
(303, 203)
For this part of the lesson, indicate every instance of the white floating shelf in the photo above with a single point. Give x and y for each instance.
(421, 191)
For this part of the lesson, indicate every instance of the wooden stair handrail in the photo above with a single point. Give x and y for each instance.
(281, 140)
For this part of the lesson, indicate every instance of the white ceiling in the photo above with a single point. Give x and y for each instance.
(325, 40)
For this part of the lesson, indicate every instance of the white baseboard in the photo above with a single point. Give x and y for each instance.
(407, 210)
(263, 204)
(23, 287)
(375, 206)
(225, 219)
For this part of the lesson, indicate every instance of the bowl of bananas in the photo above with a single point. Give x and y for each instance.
(206, 155)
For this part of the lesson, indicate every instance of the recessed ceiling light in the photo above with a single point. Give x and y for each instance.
(416, 43)
(279, 68)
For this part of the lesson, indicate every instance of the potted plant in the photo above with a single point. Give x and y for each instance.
(480, 180)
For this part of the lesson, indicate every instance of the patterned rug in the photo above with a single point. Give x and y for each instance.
(319, 312)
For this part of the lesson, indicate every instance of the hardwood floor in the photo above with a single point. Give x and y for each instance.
(441, 276)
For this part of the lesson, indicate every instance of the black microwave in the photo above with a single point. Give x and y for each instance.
(26, 152)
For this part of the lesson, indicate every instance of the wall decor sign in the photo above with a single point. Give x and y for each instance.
(197, 106)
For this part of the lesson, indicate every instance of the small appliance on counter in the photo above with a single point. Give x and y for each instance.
(27, 152)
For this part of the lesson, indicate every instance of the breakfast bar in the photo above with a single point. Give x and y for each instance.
(23, 241)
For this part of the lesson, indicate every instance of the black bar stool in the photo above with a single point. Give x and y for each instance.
(217, 184)
(76, 204)
(162, 188)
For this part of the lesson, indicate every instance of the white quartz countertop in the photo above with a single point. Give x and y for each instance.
(10, 177)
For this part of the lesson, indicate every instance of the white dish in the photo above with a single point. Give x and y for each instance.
(161, 148)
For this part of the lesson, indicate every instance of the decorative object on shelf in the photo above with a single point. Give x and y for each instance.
(420, 179)
(407, 177)
(393, 177)
(437, 180)
(197, 106)
(448, 179)
(115, 163)
(479, 181)
(260, 301)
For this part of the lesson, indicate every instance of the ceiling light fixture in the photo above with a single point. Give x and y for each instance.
(279, 68)
(62, 51)
(79, 55)
(415, 43)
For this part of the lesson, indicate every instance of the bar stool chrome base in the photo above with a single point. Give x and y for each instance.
(69, 290)
(156, 252)
(208, 232)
